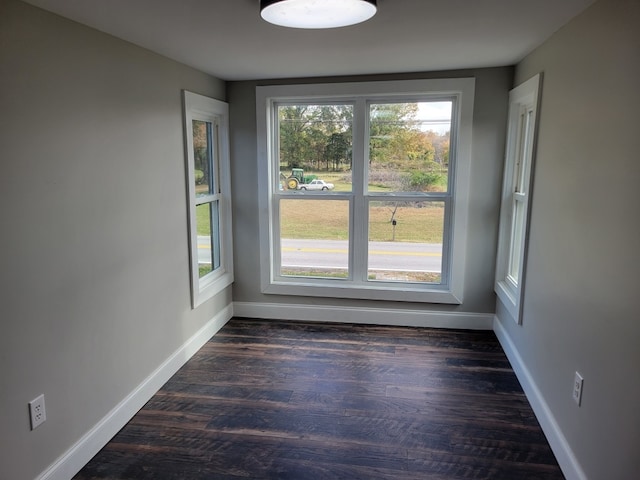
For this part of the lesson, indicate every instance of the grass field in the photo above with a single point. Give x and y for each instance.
(317, 218)
(329, 219)
(397, 276)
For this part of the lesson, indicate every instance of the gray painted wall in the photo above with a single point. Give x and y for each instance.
(581, 296)
(489, 122)
(94, 280)
(91, 168)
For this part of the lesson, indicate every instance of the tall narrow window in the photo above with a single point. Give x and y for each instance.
(315, 148)
(207, 195)
(516, 193)
(208, 188)
(365, 185)
(408, 190)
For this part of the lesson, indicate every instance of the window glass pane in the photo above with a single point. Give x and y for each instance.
(516, 241)
(215, 234)
(314, 238)
(409, 146)
(315, 142)
(203, 157)
(405, 241)
(523, 153)
(208, 239)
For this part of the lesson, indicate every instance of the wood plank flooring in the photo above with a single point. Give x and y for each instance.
(292, 400)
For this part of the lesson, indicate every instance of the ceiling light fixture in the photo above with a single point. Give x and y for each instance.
(317, 13)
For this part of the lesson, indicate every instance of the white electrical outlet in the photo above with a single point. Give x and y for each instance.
(37, 411)
(577, 388)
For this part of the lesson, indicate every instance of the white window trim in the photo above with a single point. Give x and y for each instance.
(199, 107)
(523, 100)
(451, 293)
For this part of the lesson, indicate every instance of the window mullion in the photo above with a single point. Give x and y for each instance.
(276, 251)
(447, 242)
(358, 235)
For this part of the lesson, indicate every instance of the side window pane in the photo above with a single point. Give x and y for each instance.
(405, 241)
(206, 128)
(202, 158)
(314, 238)
(205, 244)
(215, 234)
(409, 146)
(517, 230)
(315, 142)
(521, 167)
(518, 170)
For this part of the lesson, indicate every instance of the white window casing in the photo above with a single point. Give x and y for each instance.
(461, 92)
(516, 195)
(219, 258)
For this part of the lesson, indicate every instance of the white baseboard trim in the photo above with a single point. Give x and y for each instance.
(566, 459)
(375, 316)
(72, 461)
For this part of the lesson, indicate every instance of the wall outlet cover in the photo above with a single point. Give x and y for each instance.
(37, 411)
(577, 388)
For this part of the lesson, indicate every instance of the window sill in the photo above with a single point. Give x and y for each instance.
(210, 288)
(404, 292)
(509, 298)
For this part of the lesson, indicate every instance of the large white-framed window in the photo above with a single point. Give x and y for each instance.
(516, 195)
(206, 127)
(364, 189)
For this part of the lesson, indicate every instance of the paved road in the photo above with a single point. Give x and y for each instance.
(406, 257)
(396, 256)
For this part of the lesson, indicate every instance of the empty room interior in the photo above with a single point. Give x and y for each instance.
(504, 135)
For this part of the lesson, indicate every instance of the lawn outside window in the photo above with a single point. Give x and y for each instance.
(395, 160)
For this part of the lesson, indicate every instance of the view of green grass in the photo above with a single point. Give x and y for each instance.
(314, 219)
(328, 220)
(423, 277)
(314, 272)
(203, 219)
(203, 269)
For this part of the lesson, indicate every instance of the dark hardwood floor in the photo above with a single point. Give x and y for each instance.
(283, 400)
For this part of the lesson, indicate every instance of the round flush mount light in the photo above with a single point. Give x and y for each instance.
(317, 13)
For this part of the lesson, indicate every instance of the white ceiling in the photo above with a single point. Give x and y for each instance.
(228, 39)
